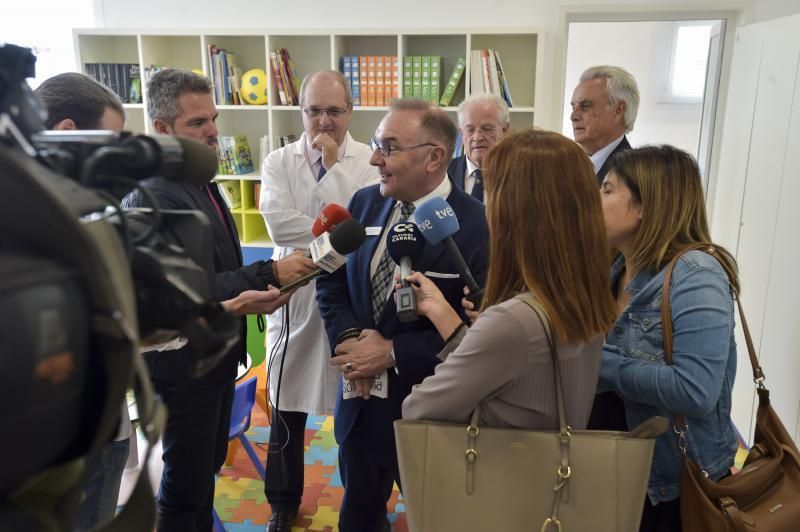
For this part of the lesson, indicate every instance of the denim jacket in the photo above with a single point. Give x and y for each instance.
(699, 382)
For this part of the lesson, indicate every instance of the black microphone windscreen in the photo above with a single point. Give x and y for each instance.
(404, 240)
(199, 164)
(347, 236)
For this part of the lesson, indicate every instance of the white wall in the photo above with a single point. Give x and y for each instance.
(643, 49)
(755, 208)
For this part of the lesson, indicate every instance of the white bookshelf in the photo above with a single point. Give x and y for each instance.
(520, 52)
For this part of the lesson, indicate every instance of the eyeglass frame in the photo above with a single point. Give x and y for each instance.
(332, 112)
(487, 130)
(386, 151)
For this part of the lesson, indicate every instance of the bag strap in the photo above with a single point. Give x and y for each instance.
(561, 489)
(666, 318)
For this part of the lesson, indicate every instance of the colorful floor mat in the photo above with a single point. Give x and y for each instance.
(239, 498)
(240, 502)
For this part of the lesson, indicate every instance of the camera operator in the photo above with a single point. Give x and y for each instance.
(76, 101)
(196, 437)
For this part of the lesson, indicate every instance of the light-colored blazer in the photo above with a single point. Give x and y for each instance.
(503, 364)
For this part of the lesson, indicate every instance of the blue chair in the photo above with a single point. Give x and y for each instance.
(244, 398)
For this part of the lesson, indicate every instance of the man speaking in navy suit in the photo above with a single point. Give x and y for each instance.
(379, 356)
(483, 120)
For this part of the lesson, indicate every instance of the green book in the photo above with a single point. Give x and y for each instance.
(453, 81)
(425, 74)
(416, 65)
(408, 77)
(435, 79)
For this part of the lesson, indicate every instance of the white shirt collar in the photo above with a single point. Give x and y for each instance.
(471, 167)
(441, 191)
(599, 157)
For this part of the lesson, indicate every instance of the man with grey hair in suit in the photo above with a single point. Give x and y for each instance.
(604, 107)
(483, 120)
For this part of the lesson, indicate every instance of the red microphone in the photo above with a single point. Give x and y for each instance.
(328, 218)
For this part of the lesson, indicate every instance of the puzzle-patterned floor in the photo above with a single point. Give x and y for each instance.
(239, 498)
(242, 506)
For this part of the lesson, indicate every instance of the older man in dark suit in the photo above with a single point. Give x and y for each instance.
(604, 107)
(483, 121)
(411, 150)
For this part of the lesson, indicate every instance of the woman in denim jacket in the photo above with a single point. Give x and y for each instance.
(653, 206)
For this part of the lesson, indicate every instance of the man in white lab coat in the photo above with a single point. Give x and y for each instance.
(325, 166)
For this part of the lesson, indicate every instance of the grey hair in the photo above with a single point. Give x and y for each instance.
(348, 96)
(502, 108)
(621, 87)
(165, 87)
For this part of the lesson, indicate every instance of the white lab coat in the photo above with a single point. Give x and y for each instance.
(291, 199)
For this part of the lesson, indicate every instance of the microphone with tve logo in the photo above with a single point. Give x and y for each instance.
(437, 222)
(404, 243)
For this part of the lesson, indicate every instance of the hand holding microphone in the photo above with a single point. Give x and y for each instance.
(404, 243)
(437, 221)
(328, 218)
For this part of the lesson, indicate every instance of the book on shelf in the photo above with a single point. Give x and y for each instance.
(488, 76)
(256, 193)
(122, 78)
(425, 76)
(224, 75)
(434, 79)
(453, 81)
(231, 192)
(416, 73)
(287, 81)
(234, 155)
(355, 80)
(285, 140)
(408, 77)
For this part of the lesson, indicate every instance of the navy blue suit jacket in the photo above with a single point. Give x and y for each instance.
(457, 170)
(345, 302)
(622, 146)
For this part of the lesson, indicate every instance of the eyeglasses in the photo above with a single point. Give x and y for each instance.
(485, 130)
(387, 149)
(332, 112)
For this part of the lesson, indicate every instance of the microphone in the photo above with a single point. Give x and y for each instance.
(329, 250)
(327, 219)
(437, 222)
(405, 244)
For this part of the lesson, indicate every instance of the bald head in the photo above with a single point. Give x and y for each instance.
(326, 105)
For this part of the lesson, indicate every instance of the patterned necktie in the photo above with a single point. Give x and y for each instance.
(477, 188)
(382, 278)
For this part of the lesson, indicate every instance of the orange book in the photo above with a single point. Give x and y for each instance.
(372, 88)
(363, 64)
(388, 79)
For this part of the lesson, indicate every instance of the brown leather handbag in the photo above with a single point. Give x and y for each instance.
(765, 495)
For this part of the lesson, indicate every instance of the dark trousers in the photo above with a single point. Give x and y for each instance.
(367, 483)
(195, 442)
(663, 517)
(283, 484)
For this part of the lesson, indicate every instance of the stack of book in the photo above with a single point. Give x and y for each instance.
(233, 155)
(122, 78)
(422, 77)
(225, 75)
(374, 79)
(287, 81)
(487, 75)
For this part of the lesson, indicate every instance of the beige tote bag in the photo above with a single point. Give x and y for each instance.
(462, 478)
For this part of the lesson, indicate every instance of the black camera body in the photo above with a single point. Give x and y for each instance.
(82, 283)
